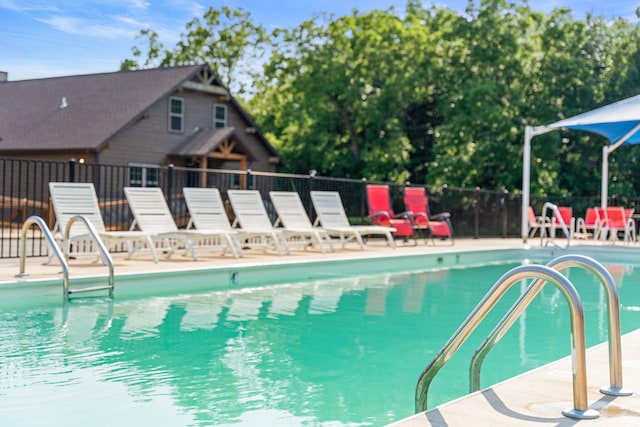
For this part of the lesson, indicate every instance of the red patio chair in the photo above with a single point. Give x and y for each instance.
(381, 212)
(538, 223)
(619, 220)
(566, 214)
(590, 225)
(416, 203)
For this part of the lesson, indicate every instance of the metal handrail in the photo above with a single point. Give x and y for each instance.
(52, 245)
(615, 387)
(104, 254)
(556, 214)
(578, 349)
(64, 258)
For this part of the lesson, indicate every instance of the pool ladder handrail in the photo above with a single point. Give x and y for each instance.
(565, 230)
(580, 408)
(560, 263)
(64, 259)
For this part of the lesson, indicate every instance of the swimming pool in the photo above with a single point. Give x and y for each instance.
(339, 352)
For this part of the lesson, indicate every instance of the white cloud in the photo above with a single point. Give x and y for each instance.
(134, 23)
(75, 25)
(140, 4)
(32, 6)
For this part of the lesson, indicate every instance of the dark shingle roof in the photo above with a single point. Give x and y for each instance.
(98, 106)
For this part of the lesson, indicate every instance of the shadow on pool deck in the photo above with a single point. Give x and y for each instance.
(537, 398)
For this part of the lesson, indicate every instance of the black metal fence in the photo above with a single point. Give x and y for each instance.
(24, 192)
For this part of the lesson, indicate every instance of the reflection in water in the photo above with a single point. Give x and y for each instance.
(285, 301)
(341, 352)
(246, 304)
(142, 318)
(618, 272)
(202, 311)
(325, 298)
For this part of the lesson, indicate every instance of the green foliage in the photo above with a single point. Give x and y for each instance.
(225, 38)
(427, 95)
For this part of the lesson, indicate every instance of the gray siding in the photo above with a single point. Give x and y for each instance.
(149, 141)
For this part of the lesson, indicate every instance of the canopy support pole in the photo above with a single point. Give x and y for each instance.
(604, 188)
(526, 181)
(606, 150)
(529, 133)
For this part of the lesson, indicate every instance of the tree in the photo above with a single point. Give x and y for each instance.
(358, 86)
(428, 95)
(227, 39)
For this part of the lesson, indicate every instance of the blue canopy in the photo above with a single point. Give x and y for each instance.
(618, 122)
(612, 121)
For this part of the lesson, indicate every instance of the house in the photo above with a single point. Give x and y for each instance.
(141, 119)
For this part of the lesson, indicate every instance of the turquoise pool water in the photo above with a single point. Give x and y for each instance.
(341, 352)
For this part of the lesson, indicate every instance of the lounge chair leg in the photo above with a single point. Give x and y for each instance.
(391, 240)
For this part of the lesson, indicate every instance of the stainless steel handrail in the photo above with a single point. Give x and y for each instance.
(104, 254)
(565, 230)
(64, 258)
(580, 406)
(36, 220)
(563, 262)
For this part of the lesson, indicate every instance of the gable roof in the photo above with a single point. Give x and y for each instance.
(205, 141)
(82, 112)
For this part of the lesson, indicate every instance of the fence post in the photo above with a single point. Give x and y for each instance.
(72, 170)
(445, 196)
(505, 216)
(169, 190)
(476, 214)
(363, 200)
(312, 175)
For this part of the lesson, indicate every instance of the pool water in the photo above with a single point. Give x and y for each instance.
(344, 352)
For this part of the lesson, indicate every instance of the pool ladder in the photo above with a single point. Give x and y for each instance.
(542, 275)
(568, 232)
(104, 253)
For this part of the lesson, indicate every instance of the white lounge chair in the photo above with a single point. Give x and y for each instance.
(207, 212)
(254, 222)
(332, 217)
(151, 214)
(295, 221)
(71, 199)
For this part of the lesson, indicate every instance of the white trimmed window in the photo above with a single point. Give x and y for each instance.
(251, 181)
(219, 115)
(144, 175)
(176, 114)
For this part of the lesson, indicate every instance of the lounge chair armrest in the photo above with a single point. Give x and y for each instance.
(420, 215)
(380, 215)
(441, 216)
(543, 219)
(405, 215)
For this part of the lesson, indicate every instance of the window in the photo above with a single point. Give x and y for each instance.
(176, 114)
(237, 179)
(219, 116)
(144, 176)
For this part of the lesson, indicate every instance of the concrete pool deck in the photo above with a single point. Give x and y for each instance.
(535, 398)
(142, 261)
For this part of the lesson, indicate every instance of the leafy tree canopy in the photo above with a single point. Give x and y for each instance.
(425, 94)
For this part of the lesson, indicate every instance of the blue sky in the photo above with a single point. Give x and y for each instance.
(48, 38)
